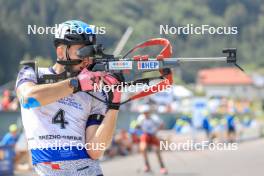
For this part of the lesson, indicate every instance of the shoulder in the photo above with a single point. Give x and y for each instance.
(26, 70)
(28, 74)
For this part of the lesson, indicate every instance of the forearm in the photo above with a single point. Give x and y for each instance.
(105, 131)
(45, 93)
(103, 134)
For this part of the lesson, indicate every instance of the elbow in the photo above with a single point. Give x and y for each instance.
(28, 101)
(95, 154)
(28, 97)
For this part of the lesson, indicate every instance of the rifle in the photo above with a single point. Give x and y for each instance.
(163, 63)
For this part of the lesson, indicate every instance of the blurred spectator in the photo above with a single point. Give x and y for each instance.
(124, 142)
(183, 124)
(23, 158)
(14, 104)
(112, 151)
(246, 121)
(11, 137)
(6, 100)
(121, 145)
(231, 127)
(135, 133)
(206, 124)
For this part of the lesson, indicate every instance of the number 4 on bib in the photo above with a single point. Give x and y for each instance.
(59, 119)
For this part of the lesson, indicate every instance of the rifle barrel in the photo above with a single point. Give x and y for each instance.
(185, 59)
(197, 59)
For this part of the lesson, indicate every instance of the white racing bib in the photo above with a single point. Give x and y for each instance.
(56, 132)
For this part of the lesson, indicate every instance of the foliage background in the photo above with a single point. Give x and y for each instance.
(144, 16)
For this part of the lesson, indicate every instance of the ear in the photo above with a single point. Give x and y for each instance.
(60, 52)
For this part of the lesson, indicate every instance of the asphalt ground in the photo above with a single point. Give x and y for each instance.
(247, 160)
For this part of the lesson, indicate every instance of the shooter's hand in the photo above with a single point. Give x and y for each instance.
(114, 93)
(88, 80)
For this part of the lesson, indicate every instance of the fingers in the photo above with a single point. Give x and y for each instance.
(110, 80)
(88, 80)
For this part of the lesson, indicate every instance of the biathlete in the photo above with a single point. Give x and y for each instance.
(66, 128)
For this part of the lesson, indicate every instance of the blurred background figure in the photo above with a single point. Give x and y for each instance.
(183, 124)
(111, 152)
(18, 153)
(150, 124)
(9, 141)
(124, 142)
(206, 124)
(11, 137)
(231, 126)
(135, 133)
(6, 100)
